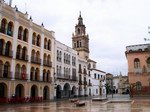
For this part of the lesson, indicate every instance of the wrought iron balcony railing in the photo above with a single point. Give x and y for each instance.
(35, 60)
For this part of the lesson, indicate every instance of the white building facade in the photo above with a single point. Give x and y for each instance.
(66, 77)
(97, 80)
(83, 77)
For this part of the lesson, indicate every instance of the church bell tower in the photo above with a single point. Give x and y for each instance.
(80, 40)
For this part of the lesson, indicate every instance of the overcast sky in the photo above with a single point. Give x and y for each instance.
(111, 24)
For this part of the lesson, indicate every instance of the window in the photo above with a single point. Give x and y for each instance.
(1, 46)
(20, 32)
(89, 66)
(49, 45)
(3, 26)
(18, 52)
(24, 53)
(95, 75)
(60, 55)
(77, 44)
(138, 86)
(7, 50)
(80, 70)
(94, 66)
(78, 31)
(96, 91)
(80, 44)
(148, 62)
(25, 34)
(74, 45)
(89, 81)
(89, 74)
(6, 70)
(10, 28)
(85, 71)
(38, 41)
(73, 72)
(57, 55)
(60, 70)
(34, 38)
(57, 71)
(136, 63)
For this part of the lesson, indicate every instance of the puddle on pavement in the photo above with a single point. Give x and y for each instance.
(71, 107)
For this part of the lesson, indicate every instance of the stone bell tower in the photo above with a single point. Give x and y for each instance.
(80, 40)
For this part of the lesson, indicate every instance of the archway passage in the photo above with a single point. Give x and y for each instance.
(100, 91)
(46, 93)
(3, 90)
(19, 91)
(66, 91)
(58, 91)
(73, 92)
(34, 91)
(89, 91)
(80, 91)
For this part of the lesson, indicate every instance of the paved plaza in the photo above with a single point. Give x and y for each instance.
(133, 105)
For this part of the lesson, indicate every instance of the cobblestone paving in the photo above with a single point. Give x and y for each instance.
(66, 106)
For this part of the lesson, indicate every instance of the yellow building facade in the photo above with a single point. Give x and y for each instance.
(26, 68)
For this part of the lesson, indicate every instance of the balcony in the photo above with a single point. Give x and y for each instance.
(47, 63)
(20, 76)
(80, 82)
(89, 84)
(6, 53)
(47, 79)
(41, 79)
(138, 70)
(63, 77)
(85, 83)
(80, 71)
(74, 78)
(22, 57)
(47, 47)
(59, 59)
(85, 72)
(35, 60)
(9, 33)
(5, 74)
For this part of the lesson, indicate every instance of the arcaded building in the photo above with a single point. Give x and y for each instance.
(33, 64)
(138, 58)
(25, 56)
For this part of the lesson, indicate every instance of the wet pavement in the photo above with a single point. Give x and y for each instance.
(136, 105)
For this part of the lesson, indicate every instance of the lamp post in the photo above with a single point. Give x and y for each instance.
(112, 86)
(111, 82)
(106, 86)
(55, 86)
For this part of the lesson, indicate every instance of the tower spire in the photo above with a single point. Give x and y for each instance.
(10, 2)
(80, 41)
(80, 20)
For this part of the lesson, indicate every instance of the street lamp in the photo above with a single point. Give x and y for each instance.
(106, 86)
(111, 79)
(55, 86)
